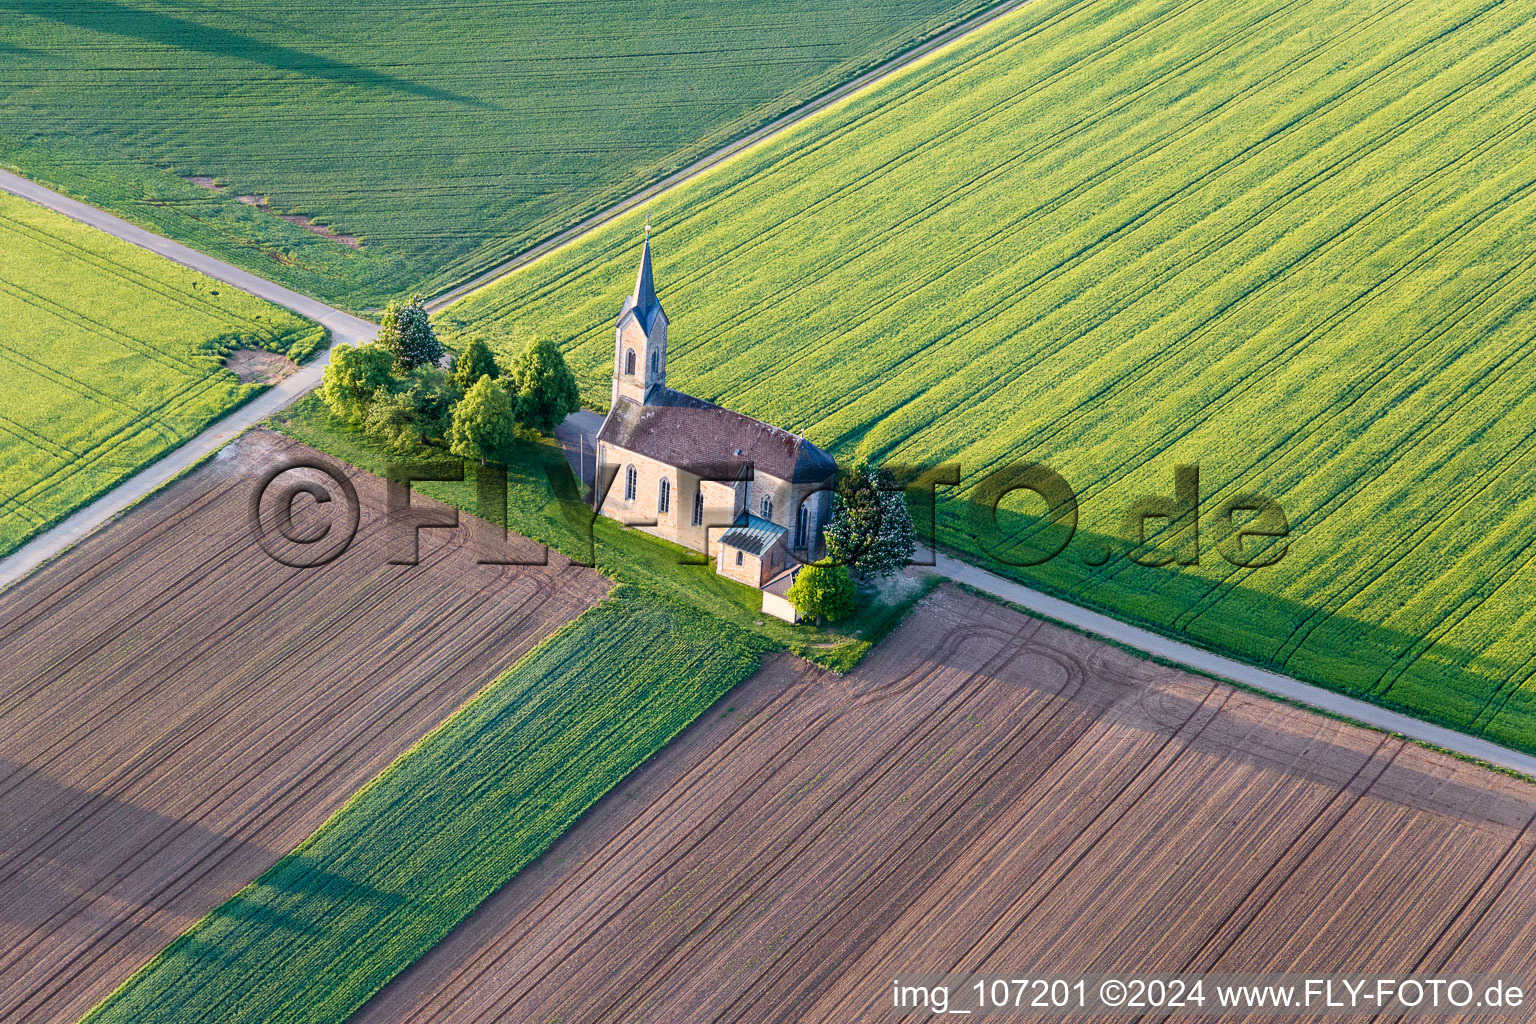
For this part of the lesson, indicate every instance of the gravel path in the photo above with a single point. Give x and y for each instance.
(1193, 657)
(343, 327)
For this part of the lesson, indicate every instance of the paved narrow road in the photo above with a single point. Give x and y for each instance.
(725, 152)
(343, 327)
(1193, 657)
(578, 434)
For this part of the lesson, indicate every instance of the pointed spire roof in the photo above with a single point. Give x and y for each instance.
(643, 300)
(645, 284)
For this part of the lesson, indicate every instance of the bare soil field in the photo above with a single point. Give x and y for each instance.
(990, 793)
(254, 366)
(178, 709)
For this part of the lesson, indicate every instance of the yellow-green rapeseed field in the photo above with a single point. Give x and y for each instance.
(110, 356)
(1290, 242)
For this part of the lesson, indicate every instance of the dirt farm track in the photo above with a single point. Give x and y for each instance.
(178, 709)
(990, 793)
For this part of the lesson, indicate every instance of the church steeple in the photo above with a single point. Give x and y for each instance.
(646, 303)
(640, 348)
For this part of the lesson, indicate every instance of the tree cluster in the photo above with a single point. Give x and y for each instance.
(395, 390)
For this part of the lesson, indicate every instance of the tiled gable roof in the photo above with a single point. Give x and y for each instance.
(690, 433)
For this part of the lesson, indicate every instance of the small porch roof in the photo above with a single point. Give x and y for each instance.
(780, 584)
(753, 534)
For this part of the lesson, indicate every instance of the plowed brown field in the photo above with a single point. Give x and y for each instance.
(178, 710)
(987, 792)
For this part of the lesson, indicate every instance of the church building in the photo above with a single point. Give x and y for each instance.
(752, 496)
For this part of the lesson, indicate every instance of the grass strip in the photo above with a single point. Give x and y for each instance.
(450, 822)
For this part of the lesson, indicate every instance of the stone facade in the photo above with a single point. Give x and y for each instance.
(745, 567)
(723, 503)
(659, 450)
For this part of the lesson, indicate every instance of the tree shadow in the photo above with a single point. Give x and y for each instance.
(76, 855)
(11, 50)
(90, 880)
(291, 882)
(1239, 613)
(1110, 687)
(163, 29)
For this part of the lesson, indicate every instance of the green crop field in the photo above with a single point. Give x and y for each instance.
(1292, 243)
(453, 819)
(486, 793)
(110, 356)
(441, 138)
(674, 574)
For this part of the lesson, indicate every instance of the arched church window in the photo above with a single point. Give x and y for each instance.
(629, 362)
(664, 496)
(631, 482)
(738, 558)
(803, 527)
(767, 507)
(655, 361)
(698, 507)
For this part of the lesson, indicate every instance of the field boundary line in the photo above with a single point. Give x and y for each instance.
(1287, 688)
(344, 326)
(348, 328)
(92, 516)
(724, 153)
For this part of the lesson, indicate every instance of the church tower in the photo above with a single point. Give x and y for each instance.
(640, 343)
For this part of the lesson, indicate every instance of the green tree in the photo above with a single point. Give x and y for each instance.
(483, 423)
(433, 394)
(355, 374)
(822, 592)
(870, 528)
(415, 412)
(474, 362)
(542, 387)
(406, 331)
